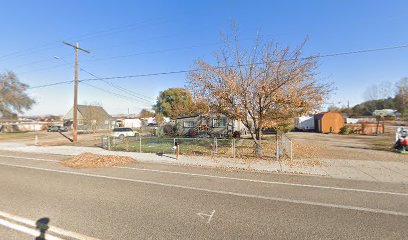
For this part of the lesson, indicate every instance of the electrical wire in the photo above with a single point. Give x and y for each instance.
(221, 67)
(115, 94)
(134, 94)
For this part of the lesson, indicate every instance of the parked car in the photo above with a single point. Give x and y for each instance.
(153, 125)
(122, 132)
(57, 129)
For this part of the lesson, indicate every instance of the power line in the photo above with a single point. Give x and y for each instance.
(113, 93)
(51, 84)
(364, 51)
(220, 67)
(153, 52)
(135, 94)
(91, 35)
(259, 63)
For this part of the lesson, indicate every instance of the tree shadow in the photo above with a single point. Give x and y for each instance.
(163, 155)
(42, 226)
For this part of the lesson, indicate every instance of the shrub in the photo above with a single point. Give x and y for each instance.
(168, 129)
(345, 130)
(236, 134)
(284, 127)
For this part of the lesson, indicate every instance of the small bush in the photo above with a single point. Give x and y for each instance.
(168, 129)
(345, 130)
(284, 127)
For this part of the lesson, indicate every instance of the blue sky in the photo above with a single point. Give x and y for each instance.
(161, 36)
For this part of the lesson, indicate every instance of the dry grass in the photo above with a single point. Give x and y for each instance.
(90, 160)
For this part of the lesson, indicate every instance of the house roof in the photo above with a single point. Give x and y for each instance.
(211, 115)
(89, 111)
(190, 116)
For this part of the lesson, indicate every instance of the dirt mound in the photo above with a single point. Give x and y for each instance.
(90, 160)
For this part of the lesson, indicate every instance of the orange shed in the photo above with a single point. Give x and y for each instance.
(329, 122)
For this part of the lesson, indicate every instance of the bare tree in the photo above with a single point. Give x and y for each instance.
(401, 96)
(261, 87)
(13, 96)
(381, 90)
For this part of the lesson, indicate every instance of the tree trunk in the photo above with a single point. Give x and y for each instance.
(258, 144)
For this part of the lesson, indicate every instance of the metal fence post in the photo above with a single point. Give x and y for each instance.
(284, 142)
(291, 150)
(233, 148)
(140, 143)
(109, 143)
(215, 147)
(277, 147)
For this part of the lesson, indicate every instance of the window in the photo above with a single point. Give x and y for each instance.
(188, 124)
(221, 122)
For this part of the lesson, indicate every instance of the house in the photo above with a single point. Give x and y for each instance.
(89, 118)
(214, 124)
(329, 122)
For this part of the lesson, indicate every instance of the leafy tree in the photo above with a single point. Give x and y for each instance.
(159, 118)
(145, 113)
(13, 96)
(175, 102)
(261, 86)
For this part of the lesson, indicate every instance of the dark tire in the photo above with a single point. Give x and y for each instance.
(121, 136)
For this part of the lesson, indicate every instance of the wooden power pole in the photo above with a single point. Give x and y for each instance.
(75, 108)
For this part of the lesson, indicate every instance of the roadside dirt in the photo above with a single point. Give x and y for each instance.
(352, 147)
(90, 160)
(52, 138)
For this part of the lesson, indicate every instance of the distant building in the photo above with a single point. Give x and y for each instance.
(386, 113)
(329, 122)
(89, 118)
(131, 123)
(352, 120)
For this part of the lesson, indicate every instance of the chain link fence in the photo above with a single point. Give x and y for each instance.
(278, 147)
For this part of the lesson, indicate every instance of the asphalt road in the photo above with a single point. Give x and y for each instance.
(156, 201)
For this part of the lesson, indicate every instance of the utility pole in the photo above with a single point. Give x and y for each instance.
(75, 108)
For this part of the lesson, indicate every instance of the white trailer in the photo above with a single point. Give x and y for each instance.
(305, 123)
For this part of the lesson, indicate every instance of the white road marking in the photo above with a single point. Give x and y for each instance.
(238, 179)
(203, 215)
(329, 205)
(30, 158)
(268, 182)
(25, 230)
(53, 229)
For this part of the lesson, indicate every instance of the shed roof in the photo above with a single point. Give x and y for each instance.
(321, 115)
